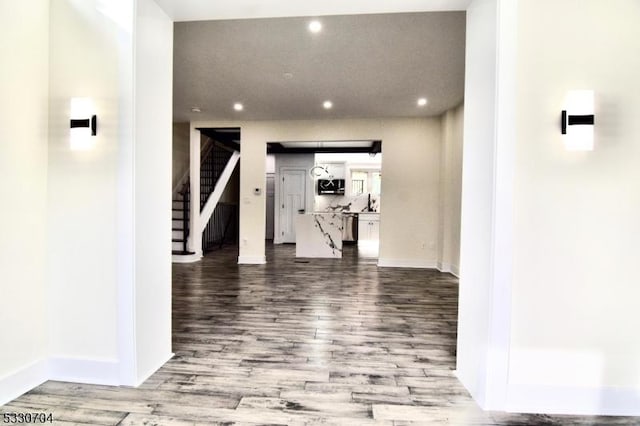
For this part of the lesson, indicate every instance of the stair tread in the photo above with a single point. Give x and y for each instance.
(181, 253)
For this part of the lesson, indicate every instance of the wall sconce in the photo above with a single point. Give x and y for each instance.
(578, 120)
(84, 124)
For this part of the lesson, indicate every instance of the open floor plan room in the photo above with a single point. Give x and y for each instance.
(294, 342)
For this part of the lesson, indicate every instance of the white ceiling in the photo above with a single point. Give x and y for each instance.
(368, 65)
(373, 65)
(203, 10)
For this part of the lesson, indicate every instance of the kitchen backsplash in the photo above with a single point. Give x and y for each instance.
(341, 203)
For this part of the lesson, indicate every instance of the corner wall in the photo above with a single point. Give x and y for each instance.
(575, 345)
(86, 48)
(450, 190)
(474, 303)
(24, 76)
(152, 186)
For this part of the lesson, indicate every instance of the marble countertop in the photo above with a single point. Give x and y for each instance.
(354, 212)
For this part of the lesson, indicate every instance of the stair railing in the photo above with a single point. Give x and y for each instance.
(185, 192)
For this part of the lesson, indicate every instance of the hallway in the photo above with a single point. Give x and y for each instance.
(336, 342)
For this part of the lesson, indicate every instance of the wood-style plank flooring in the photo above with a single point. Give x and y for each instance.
(326, 341)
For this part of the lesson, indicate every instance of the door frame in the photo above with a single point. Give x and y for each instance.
(280, 187)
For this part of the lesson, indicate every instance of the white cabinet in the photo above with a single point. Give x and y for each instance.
(368, 227)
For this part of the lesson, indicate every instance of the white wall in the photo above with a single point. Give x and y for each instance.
(153, 178)
(109, 207)
(575, 344)
(477, 197)
(24, 49)
(180, 153)
(410, 193)
(450, 190)
(82, 277)
(410, 173)
(486, 245)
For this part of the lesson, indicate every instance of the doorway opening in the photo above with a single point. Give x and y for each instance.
(337, 182)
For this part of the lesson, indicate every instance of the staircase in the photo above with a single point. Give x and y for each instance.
(215, 160)
(180, 221)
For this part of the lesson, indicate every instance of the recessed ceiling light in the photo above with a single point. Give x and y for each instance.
(238, 106)
(327, 104)
(196, 109)
(287, 75)
(422, 102)
(315, 26)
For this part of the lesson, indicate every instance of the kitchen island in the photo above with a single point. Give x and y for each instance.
(319, 235)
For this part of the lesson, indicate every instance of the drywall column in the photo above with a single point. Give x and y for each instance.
(450, 190)
(152, 187)
(252, 204)
(87, 41)
(24, 76)
(575, 345)
(109, 206)
(486, 226)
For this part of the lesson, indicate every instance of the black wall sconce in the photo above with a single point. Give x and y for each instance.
(83, 123)
(578, 120)
(86, 122)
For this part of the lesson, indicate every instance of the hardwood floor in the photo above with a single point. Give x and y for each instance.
(327, 341)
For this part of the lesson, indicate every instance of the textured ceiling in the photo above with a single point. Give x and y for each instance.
(367, 65)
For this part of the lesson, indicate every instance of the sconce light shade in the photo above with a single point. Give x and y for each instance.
(84, 124)
(578, 120)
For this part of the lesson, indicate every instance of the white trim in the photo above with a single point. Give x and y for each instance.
(221, 184)
(607, 401)
(153, 370)
(252, 260)
(406, 263)
(80, 370)
(499, 334)
(186, 258)
(449, 269)
(22, 381)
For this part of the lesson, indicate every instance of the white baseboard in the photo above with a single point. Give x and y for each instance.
(187, 258)
(97, 372)
(22, 381)
(252, 260)
(573, 400)
(406, 263)
(448, 268)
(455, 271)
(79, 370)
(152, 371)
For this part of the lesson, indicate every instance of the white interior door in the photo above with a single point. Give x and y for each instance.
(292, 196)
